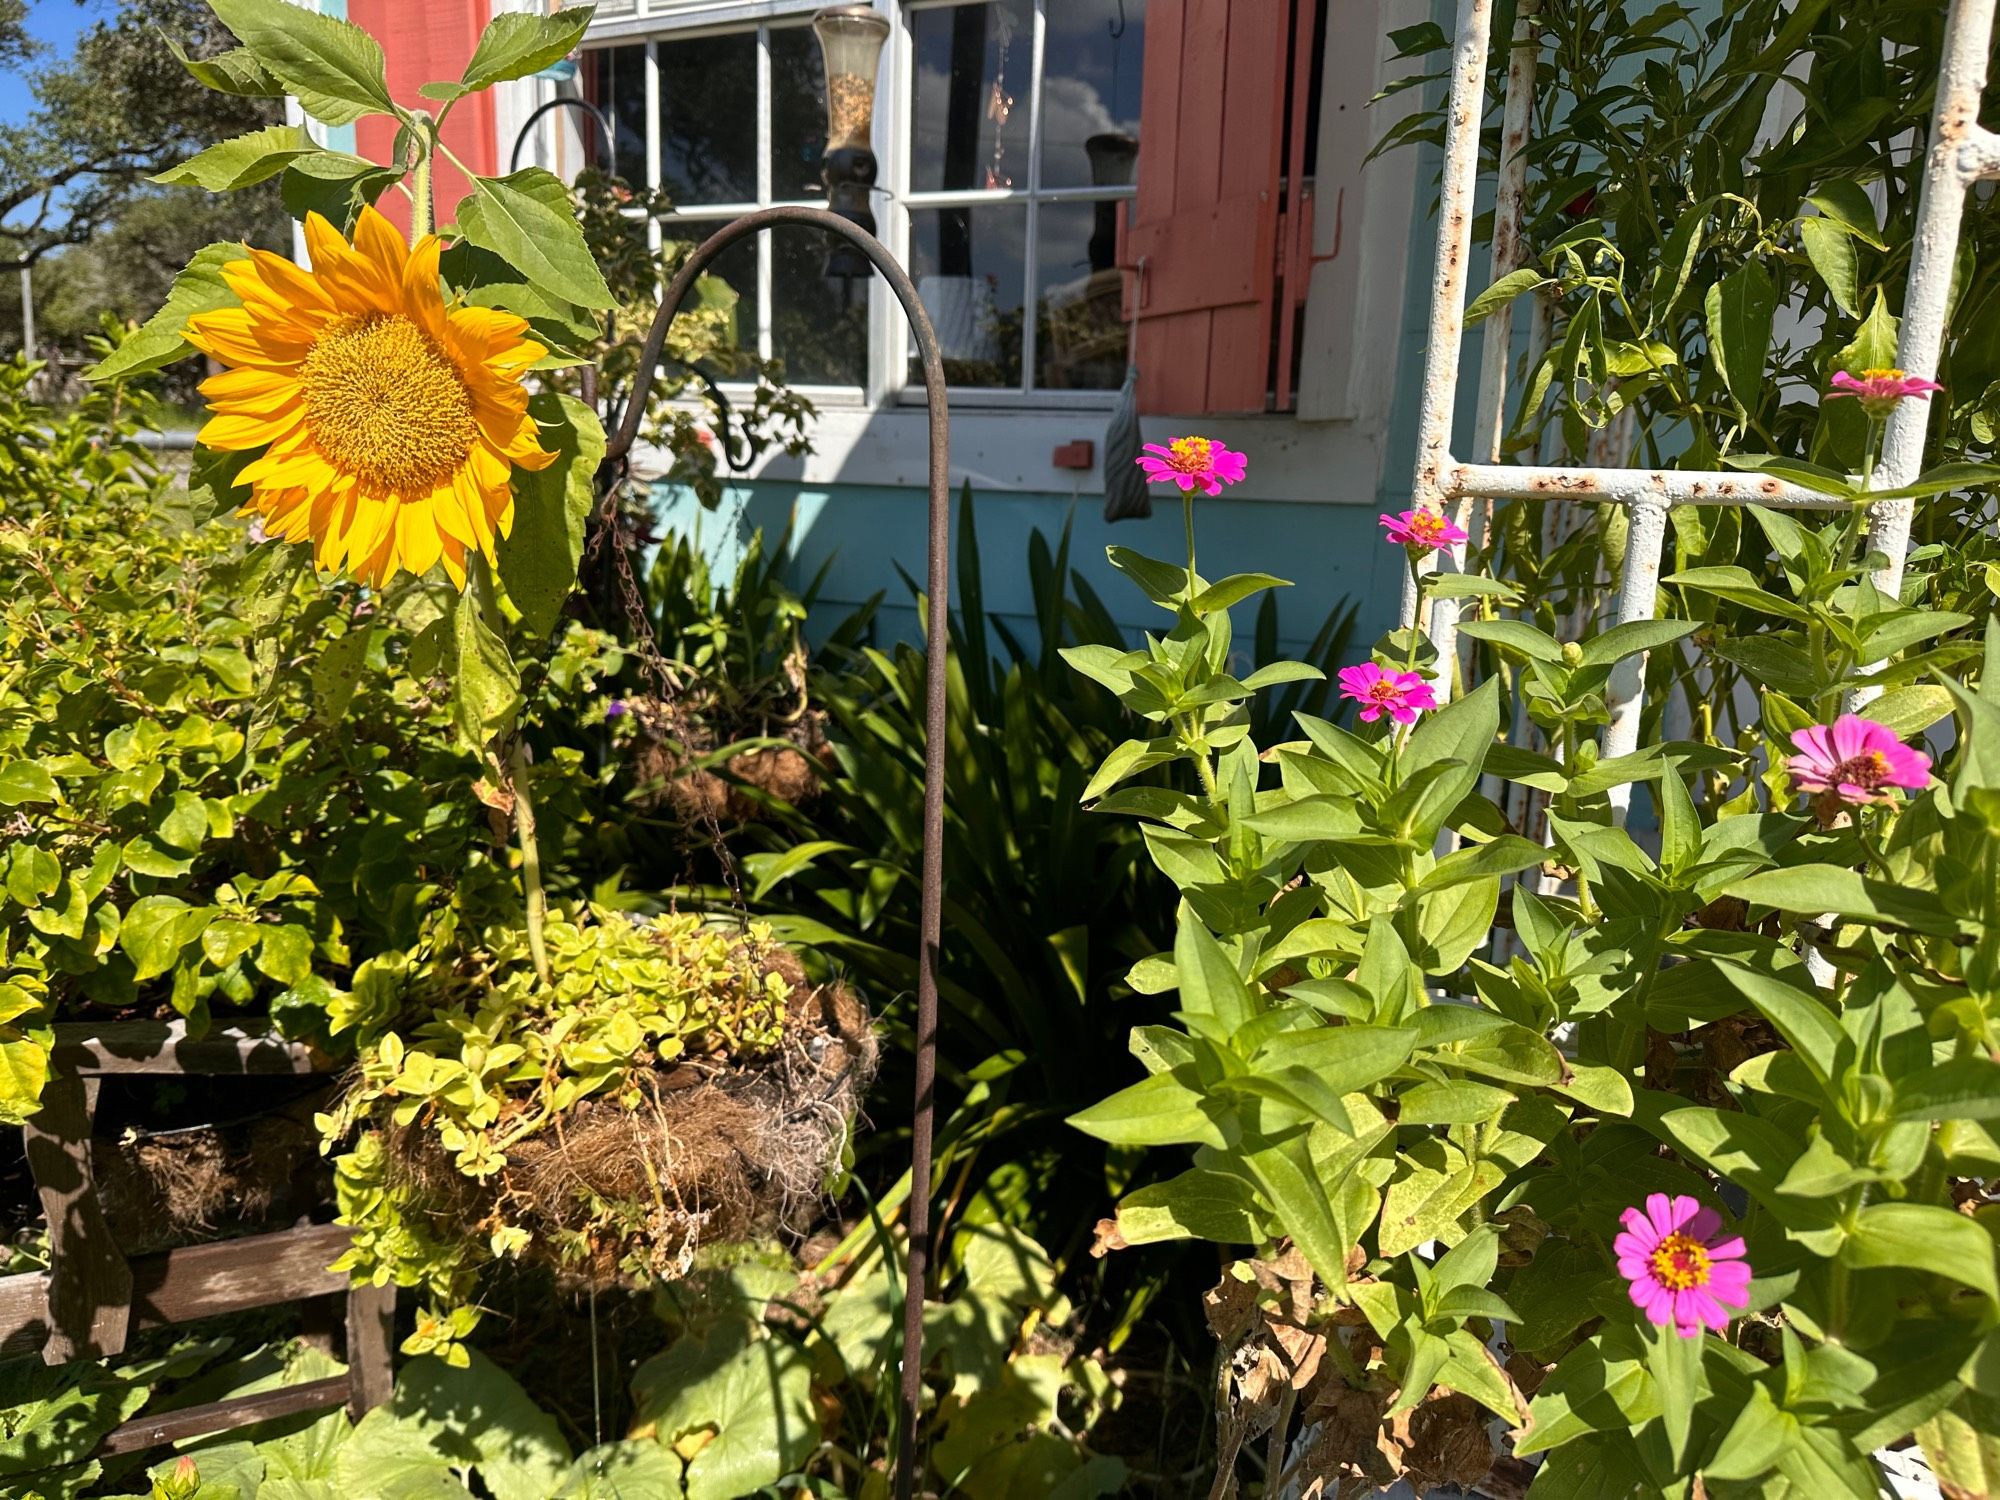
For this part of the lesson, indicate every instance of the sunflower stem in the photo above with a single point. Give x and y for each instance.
(420, 178)
(531, 857)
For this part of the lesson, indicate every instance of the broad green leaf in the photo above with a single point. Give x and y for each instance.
(334, 185)
(1502, 292)
(636, 1469)
(527, 219)
(232, 72)
(1210, 983)
(1739, 310)
(539, 559)
(1200, 1203)
(1813, 889)
(486, 685)
(1802, 1019)
(1966, 1088)
(1516, 635)
(1234, 589)
(1634, 636)
(23, 781)
(1158, 1111)
(242, 161)
(1920, 1237)
(334, 67)
(1831, 250)
(159, 342)
(24, 1072)
(514, 45)
(1288, 1181)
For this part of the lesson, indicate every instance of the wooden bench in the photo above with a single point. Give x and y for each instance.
(92, 1298)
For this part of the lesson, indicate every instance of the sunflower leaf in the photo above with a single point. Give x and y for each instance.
(242, 161)
(513, 46)
(335, 68)
(199, 288)
(538, 560)
(527, 219)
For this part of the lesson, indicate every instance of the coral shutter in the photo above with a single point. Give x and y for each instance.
(1205, 236)
(427, 43)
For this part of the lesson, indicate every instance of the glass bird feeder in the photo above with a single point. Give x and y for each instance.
(850, 39)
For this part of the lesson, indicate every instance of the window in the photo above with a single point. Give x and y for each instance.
(716, 159)
(1008, 136)
(1023, 137)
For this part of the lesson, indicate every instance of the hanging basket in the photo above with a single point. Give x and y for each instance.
(685, 759)
(697, 1094)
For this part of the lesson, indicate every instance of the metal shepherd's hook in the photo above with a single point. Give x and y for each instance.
(936, 639)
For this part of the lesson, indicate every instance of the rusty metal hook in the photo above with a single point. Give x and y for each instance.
(936, 644)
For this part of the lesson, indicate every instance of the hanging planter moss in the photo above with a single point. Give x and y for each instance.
(674, 760)
(676, 1084)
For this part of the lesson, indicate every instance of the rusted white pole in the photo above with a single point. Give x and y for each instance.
(1496, 346)
(1961, 153)
(1464, 107)
(1638, 592)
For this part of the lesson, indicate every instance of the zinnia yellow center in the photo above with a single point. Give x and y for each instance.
(385, 403)
(1882, 373)
(1869, 769)
(1191, 455)
(1428, 525)
(1681, 1262)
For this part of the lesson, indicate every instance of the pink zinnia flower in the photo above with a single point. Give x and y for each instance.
(1680, 1272)
(1855, 760)
(1421, 530)
(1879, 390)
(1191, 461)
(1397, 694)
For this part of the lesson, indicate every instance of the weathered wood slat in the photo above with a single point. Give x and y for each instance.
(223, 1416)
(371, 1369)
(165, 1047)
(89, 1302)
(196, 1281)
(260, 1270)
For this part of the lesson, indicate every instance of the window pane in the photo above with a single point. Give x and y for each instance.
(1080, 329)
(798, 113)
(970, 93)
(708, 119)
(967, 263)
(736, 266)
(1090, 92)
(819, 327)
(614, 80)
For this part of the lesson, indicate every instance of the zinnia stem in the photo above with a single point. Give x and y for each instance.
(1187, 516)
(531, 857)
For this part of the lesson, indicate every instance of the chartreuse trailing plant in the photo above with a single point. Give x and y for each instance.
(1686, 1220)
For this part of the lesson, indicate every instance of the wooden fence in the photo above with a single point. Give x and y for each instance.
(93, 1298)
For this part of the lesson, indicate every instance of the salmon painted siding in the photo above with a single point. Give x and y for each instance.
(425, 43)
(1206, 238)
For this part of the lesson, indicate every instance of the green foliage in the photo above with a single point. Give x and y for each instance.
(472, 1049)
(1336, 889)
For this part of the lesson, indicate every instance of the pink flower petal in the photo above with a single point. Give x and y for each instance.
(1660, 1209)
(1641, 1229)
(1733, 1287)
(1729, 1249)
(1704, 1223)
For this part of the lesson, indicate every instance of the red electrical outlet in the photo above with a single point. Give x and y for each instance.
(1081, 454)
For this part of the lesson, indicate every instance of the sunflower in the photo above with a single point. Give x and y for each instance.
(390, 422)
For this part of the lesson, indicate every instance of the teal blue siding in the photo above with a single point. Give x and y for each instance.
(861, 534)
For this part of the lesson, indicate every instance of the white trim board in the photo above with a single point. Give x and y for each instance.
(999, 451)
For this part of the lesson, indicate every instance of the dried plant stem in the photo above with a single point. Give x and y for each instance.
(531, 857)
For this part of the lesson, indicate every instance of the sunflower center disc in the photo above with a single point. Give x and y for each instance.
(385, 403)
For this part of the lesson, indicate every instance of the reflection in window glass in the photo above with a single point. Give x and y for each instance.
(1080, 340)
(969, 96)
(819, 327)
(798, 113)
(615, 81)
(736, 266)
(1091, 55)
(968, 264)
(708, 138)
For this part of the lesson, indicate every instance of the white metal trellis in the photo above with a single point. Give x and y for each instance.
(1961, 152)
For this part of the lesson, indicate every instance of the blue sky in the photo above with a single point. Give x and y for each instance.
(55, 23)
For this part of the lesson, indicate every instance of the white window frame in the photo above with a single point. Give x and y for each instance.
(889, 343)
